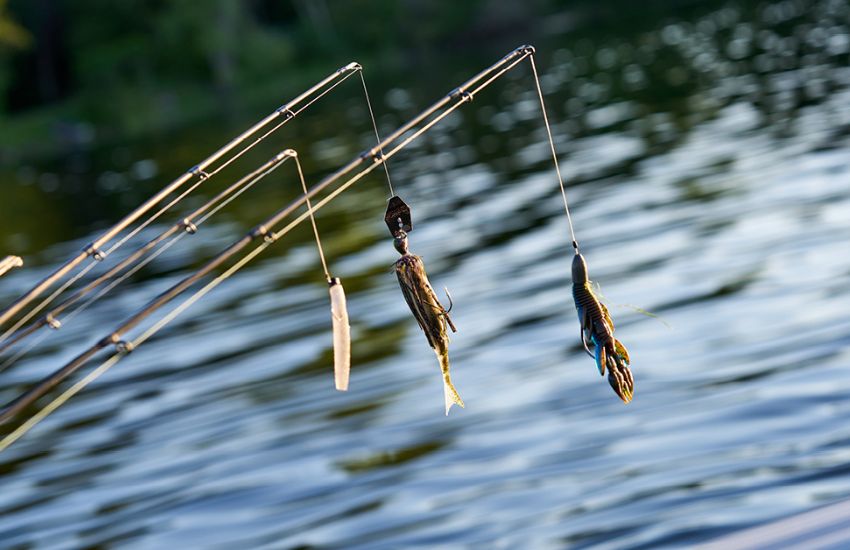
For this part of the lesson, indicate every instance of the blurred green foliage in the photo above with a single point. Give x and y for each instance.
(79, 73)
(13, 37)
(130, 67)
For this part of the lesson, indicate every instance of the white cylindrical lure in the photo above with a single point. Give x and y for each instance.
(10, 262)
(342, 335)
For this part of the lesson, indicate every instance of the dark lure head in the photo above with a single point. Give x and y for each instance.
(400, 242)
(579, 270)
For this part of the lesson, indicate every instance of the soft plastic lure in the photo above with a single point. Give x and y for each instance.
(597, 331)
(342, 335)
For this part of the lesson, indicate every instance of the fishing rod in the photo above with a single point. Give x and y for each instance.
(267, 232)
(51, 319)
(198, 173)
(187, 226)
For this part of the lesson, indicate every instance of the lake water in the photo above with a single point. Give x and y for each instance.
(707, 168)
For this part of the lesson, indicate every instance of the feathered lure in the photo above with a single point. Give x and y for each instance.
(432, 317)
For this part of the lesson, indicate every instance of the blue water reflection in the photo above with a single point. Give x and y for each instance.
(707, 168)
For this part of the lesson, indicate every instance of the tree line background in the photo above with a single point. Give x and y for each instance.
(73, 73)
(145, 65)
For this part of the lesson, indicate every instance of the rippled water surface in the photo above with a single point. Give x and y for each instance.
(708, 169)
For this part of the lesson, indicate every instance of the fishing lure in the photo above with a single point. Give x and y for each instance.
(597, 330)
(341, 335)
(432, 317)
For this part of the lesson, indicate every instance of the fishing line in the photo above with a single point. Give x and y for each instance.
(554, 154)
(596, 328)
(377, 135)
(313, 221)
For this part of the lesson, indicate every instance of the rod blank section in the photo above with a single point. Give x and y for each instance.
(342, 335)
(9, 263)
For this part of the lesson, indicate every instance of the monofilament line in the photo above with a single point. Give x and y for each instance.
(377, 135)
(554, 154)
(312, 218)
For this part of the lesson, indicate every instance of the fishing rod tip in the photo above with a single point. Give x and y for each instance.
(353, 66)
(10, 262)
(527, 48)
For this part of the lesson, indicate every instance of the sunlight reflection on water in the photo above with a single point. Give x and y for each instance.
(726, 211)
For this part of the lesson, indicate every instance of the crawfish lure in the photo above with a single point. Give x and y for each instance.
(432, 317)
(597, 332)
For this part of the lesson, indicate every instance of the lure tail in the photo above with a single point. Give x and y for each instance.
(452, 397)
